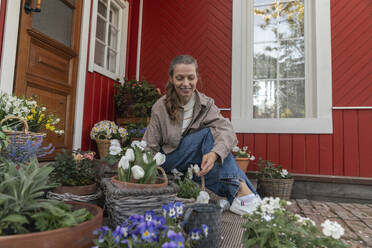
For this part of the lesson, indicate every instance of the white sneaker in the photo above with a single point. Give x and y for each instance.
(245, 207)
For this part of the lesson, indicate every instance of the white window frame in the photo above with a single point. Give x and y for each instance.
(318, 71)
(122, 41)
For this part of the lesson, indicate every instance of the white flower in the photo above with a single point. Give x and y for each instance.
(189, 173)
(203, 197)
(145, 158)
(252, 157)
(43, 108)
(124, 163)
(245, 148)
(235, 149)
(141, 145)
(176, 172)
(284, 173)
(195, 168)
(129, 153)
(160, 158)
(115, 142)
(137, 172)
(332, 228)
(114, 150)
(267, 217)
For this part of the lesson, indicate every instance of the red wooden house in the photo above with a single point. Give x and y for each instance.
(293, 76)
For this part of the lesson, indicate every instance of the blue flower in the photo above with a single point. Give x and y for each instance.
(195, 234)
(169, 245)
(136, 218)
(102, 231)
(159, 222)
(117, 234)
(171, 210)
(165, 209)
(205, 229)
(177, 238)
(149, 215)
(179, 209)
(148, 231)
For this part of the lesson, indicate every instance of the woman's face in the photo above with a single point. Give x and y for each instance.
(184, 80)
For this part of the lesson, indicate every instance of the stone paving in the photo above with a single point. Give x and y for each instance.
(355, 218)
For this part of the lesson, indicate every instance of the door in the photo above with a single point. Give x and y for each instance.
(47, 62)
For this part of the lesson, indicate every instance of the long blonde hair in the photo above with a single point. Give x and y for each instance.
(172, 99)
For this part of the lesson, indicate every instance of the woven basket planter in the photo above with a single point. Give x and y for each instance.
(103, 146)
(281, 188)
(124, 202)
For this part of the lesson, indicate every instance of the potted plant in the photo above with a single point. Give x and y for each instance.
(274, 180)
(103, 132)
(133, 100)
(26, 218)
(138, 168)
(242, 157)
(273, 225)
(14, 111)
(135, 131)
(153, 230)
(75, 172)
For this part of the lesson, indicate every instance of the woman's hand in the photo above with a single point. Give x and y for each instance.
(207, 163)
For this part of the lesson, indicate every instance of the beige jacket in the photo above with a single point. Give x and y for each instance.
(163, 133)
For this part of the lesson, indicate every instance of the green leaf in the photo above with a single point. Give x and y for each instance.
(15, 218)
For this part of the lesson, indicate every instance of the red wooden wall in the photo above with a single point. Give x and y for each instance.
(203, 29)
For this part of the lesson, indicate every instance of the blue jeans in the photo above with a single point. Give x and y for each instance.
(223, 179)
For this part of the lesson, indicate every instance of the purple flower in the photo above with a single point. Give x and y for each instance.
(148, 231)
(169, 245)
(159, 222)
(179, 209)
(205, 229)
(165, 209)
(171, 210)
(102, 231)
(176, 237)
(149, 215)
(136, 218)
(195, 234)
(117, 234)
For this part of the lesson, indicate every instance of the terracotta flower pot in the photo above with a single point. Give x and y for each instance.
(76, 190)
(80, 236)
(243, 163)
(161, 182)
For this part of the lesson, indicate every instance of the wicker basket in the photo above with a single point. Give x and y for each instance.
(103, 146)
(281, 188)
(124, 202)
(21, 137)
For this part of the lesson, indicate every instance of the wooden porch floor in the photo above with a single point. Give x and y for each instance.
(355, 218)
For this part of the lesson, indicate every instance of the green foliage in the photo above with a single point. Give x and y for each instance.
(4, 139)
(269, 170)
(21, 192)
(274, 226)
(76, 169)
(188, 188)
(136, 130)
(60, 215)
(136, 97)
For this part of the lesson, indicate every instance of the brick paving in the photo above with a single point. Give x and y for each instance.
(355, 218)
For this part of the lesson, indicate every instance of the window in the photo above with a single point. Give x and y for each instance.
(108, 37)
(281, 80)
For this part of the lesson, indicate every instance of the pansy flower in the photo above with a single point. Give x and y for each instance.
(169, 245)
(118, 233)
(205, 229)
(177, 238)
(149, 215)
(195, 234)
(102, 231)
(171, 210)
(179, 209)
(165, 209)
(148, 232)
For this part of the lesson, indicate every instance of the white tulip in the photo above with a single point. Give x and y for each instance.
(195, 168)
(236, 149)
(114, 150)
(124, 163)
(143, 143)
(115, 142)
(140, 144)
(203, 197)
(145, 158)
(129, 153)
(137, 172)
(189, 173)
(160, 158)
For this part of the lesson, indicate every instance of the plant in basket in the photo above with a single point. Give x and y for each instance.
(134, 98)
(136, 130)
(242, 157)
(272, 224)
(152, 230)
(75, 172)
(13, 110)
(103, 132)
(137, 166)
(274, 180)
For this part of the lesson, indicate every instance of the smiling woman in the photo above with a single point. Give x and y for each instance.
(187, 126)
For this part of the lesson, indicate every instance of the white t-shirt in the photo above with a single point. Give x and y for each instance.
(188, 110)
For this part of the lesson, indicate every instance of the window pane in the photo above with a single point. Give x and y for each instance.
(111, 60)
(256, 2)
(292, 99)
(101, 29)
(265, 24)
(291, 59)
(102, 9)
(113, 38)
(264, 99)
(114, 16)
(99, 54)
(265, 60)
(291, 20)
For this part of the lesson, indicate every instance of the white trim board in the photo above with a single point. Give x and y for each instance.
(81, 77)
(9, 50)
(139, 41)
